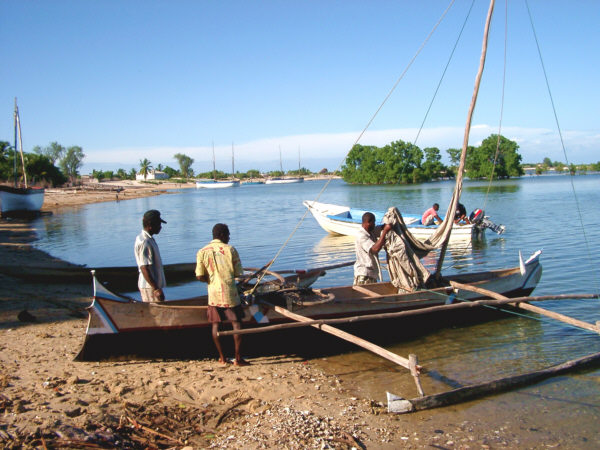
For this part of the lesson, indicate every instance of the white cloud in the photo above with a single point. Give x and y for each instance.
(534, 144)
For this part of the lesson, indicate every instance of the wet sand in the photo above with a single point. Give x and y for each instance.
(49, 400)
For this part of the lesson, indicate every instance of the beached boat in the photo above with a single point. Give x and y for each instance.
(20, 200)
(337, 219)
(115, 319)
(125, 278)
(219, 184)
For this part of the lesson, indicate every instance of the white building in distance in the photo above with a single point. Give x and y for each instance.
(152, 175)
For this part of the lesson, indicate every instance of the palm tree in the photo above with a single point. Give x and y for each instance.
(145, 167)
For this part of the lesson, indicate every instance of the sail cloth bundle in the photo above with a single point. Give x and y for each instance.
(407, 273)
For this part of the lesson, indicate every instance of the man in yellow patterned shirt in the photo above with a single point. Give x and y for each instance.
(218, 264)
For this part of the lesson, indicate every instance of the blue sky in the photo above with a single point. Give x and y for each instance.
(127, 80)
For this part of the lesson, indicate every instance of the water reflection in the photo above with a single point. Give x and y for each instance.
(497, 188)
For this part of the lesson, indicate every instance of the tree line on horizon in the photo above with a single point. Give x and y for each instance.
(396, 163)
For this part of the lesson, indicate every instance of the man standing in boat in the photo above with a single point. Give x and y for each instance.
(366, 267)
(218, 264)
(151, 279)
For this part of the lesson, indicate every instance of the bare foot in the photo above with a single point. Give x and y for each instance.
(241, 362)
(223, 362)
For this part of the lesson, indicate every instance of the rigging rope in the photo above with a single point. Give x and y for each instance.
(562, 143)
(391, 91)
(444, 72)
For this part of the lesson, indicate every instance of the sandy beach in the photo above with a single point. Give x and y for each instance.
(48, 400)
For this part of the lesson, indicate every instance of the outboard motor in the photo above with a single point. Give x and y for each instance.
(477, 216)
(481, 221)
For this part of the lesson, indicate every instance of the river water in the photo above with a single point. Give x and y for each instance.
(556, 214)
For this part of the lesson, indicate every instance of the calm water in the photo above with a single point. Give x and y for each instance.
(539, 213)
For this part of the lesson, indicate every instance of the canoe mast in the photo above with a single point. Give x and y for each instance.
(463, 154)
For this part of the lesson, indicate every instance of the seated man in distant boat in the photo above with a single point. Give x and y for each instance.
(460, 216)
(218, 264)
(366, 267)
(151, 279)
(430, 217)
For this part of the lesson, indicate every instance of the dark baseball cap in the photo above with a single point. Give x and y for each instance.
(153, 215)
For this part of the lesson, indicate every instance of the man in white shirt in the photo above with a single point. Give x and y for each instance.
(151, 279)
(366, 267)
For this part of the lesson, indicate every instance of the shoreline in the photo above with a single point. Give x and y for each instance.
(279, 401)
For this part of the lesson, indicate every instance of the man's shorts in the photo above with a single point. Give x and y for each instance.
(363, 279)
(148, 295)
(217, 314)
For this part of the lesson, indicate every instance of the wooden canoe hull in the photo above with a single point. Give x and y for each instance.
(114, 317)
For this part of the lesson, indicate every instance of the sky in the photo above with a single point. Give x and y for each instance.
(130, 79)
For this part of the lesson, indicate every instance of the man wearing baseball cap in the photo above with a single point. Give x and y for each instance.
(151, 279)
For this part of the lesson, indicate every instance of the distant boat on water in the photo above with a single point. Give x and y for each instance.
(219, 184)
(285, 180)
(20, 200)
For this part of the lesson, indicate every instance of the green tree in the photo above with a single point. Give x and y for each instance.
(171, 172)
(98, 174)
(185, 165)
(480, 160)
(132, 174)
(433, 167)
(71, 162)
(41, 170)
(54, 152)
(395, 163)
(145, 167)
(572, 169)
(547, 162)
(454, 155)
(253, 173)
(122, 174)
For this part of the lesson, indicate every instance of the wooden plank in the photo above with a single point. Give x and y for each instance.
(365, 291)
(348, 337)
(491, 387)
(528, 307)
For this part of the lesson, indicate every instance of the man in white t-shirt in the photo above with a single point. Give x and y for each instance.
(366, 267)
(151, 279)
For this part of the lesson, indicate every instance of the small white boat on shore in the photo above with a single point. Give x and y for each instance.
(20, 200)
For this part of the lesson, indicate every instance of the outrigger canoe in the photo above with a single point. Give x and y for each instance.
(118, 325)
